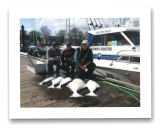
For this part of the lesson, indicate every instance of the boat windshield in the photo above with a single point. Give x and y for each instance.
(36, 48)
(134, 36)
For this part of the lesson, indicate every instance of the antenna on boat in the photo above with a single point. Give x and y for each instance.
(92, 23)
(87, 23)
(120, 21)
(103, 22)
(96, 23)
(123, 21)
(108, 22)
(100, 23)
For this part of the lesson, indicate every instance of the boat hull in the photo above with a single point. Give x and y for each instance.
(131, 77)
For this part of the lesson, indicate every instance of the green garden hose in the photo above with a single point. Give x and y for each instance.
(119, 87)
(122, 89)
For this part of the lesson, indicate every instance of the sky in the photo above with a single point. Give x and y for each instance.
(56, 24)
(16, 14)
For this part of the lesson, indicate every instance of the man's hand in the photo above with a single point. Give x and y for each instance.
(51, 59)
(65, 64)
(84, 67)
(80, 65)
(57, 58)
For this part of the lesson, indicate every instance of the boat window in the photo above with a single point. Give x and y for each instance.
(135, 59)
(98, 40)
(134, 36)
(124, 59)
(115, 39)
(33, 49)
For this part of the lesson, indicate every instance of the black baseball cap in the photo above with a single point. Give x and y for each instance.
(54, 44)
(68, 44)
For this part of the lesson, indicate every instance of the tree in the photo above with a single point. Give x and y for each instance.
(45, 32)
(26, 36)
(61, 34)
(36, 36)
(73, 33)
(80, 37)
(86, 35)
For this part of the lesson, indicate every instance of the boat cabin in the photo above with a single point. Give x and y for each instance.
(109, 41)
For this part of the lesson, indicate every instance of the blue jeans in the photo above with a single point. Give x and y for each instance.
(50, 64)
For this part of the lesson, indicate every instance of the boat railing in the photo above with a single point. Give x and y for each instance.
(120, 52)
(40, 59)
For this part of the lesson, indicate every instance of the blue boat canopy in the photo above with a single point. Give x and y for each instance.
(90, 39)
(32, 43)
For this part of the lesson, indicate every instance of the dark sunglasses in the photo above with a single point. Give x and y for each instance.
(54, 45)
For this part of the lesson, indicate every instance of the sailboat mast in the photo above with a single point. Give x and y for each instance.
(35, 33)
(64, 36)
(120, 21)
(87, 23)
(66, 29)
(69, 29)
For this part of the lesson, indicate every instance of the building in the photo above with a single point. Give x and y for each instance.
(27, 43)
(51, 39)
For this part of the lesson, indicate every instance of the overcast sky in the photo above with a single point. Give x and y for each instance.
(56, 24)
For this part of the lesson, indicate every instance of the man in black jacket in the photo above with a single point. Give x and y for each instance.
(67, 59)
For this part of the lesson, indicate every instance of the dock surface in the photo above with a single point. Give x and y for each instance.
(34, 95)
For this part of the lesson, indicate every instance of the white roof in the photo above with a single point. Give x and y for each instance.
(112, 30)
(32, 46)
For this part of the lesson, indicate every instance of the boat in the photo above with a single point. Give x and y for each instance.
(124, 70)
(116, 53)
(109, 41)
(34, 51)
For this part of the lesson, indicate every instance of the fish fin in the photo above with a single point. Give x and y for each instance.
(91, 94)
(68, 85)
(58, 87)
(76, 95)
(97, 85)
(40, 84)
(50, 87)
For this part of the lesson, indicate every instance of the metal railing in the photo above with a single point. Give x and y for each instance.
(38, 58)
(120, 52)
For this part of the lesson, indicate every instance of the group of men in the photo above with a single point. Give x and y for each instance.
(81, 59)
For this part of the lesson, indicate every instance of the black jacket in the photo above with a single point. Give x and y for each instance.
(67, 55)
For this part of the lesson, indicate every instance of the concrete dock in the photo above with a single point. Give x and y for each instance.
(34, 95)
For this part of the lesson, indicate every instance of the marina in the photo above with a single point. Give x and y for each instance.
(116, 54)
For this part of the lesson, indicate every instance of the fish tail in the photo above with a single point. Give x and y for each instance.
(40, 84)
(76, 95)
(58, 87)
(91, 94)
(51, 87)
